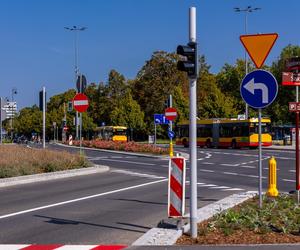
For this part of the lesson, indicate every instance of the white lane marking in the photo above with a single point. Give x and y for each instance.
(219, 187)
(207, 163)
(12, 246)
(134, 162)
(80, 199)
(233, 189)
(207, 185)
(288, 180)
(229, 165)
(206, 170)
(247, 166)
(293, 170)
(137, 174)
(230, 173)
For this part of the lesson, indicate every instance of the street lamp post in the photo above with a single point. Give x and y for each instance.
(13, 92)
(247, 10)
(75, 29)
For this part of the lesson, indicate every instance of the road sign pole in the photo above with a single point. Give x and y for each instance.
(171, 125)
(44, 117)
(193, 134)
(80, 134)
(155, 133)
(259, 158)
(297, 156)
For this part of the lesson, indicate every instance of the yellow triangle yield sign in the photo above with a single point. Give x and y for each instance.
(258, 46)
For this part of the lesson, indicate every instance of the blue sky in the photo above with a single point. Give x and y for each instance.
(36, 50)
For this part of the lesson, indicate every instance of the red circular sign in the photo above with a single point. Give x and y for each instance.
(171, 114)
(80, 102)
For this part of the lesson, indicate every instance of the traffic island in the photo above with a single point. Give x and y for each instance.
(278, 221)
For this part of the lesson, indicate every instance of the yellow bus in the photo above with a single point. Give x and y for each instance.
(226, 133)
(112, 133)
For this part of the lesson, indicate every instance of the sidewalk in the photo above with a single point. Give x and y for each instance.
(281, 147)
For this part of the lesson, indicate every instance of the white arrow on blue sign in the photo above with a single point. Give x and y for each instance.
(160, 119)
(259, 88)
(171, 134)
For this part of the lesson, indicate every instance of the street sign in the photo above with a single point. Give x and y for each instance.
(294, 106)
(292, 64)
(171, 134)
(259, 88)
(160, 119)
(83, 83)
(259, 46)
(80, 102)
(171, 114)
(290, 78)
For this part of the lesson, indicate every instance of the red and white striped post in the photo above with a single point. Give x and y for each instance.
(176, 190)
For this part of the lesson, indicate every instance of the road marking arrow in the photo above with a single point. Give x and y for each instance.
(251, 86)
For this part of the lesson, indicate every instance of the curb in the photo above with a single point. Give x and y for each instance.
(12, 181)
(161, 236)
(113, 151)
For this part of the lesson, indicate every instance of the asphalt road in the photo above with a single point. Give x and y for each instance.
(118, 206)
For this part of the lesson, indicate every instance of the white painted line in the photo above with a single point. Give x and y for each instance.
(208, 163)
(248, 167)
(229, 165)
(137, 174)
(288, 180)
(230, 173)
(293, 170)
(233, 189)
(134, 162)
(12, 246)
(80, 199)
(219, 187)
(208, 185)
(206, 170)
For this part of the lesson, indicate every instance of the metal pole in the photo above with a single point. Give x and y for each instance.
(171, 128)
(259, 158)
(44, 117)
(80, 135)
(246, 67)
(193, 133)
(76, 75)
(297, 147)
(154, 133)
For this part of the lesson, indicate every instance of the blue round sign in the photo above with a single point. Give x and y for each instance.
(259, 88)
(171, 134)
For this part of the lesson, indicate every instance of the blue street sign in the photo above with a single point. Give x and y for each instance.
(259, 88)
(160, 119)
(171, 134)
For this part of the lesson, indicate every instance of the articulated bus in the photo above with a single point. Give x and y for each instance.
(111, 133)
(226, 133)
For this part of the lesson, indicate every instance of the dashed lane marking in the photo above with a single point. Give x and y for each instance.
(214, 186)
(134, 162)
(287, 180)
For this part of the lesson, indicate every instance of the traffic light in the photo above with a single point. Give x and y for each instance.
(190, 65)
(41, 100)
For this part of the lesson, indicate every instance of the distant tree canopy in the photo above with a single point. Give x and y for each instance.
(133, 102)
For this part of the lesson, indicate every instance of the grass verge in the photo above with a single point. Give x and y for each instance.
(18, 160)
(277, 222)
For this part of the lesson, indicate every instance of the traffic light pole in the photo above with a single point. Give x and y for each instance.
(171, 128)
(193, 133)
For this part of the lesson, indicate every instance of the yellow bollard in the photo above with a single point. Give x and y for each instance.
(272, 190)
(171, 149)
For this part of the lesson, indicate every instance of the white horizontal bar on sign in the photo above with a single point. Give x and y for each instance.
(170, 113)
(81, 102)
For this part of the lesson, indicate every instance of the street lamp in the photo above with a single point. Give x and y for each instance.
(13, 92)
(248, 9)
(75, 29)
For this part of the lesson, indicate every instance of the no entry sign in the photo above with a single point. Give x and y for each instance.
(80, 102)
(171, 114)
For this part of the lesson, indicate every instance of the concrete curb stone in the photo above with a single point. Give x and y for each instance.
(161, 236)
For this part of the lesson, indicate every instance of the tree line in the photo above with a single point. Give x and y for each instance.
(133, 102)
